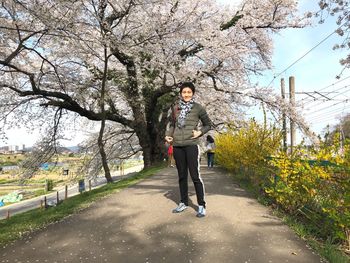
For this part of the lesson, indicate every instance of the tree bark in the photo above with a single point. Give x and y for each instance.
(152, 154)
(154, 129)
(100, 142)
(152, 147)
(103, 153)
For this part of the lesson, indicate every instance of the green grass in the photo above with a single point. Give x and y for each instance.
(9, 163)
(326, 249)
(130, 164)
(18, 225)
(40, 192)
(7, 181)
(308, 232)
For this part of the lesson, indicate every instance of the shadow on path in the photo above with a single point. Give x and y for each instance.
(136, 225)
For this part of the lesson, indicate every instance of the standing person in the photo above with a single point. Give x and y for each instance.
(184, 134)
(170, 155)
(210, 151)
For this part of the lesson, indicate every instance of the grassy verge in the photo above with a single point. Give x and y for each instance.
(325, 248)
(7, 181)
(21, 224)
(305, 231)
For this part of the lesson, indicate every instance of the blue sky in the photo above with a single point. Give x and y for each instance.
(314, 72)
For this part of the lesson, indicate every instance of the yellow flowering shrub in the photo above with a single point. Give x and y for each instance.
(247, 148)
(313, 182)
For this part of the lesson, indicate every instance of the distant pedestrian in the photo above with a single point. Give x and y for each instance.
(210, 147)
(171, 155)
(184, 134)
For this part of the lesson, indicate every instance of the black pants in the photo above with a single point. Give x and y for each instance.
(187, 159)
(210, 157)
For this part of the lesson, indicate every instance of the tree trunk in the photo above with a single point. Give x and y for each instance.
(152, 145)
(153, 154)
(103, 153)
(103, 121)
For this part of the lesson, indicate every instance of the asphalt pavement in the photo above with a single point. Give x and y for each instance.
(137, 225)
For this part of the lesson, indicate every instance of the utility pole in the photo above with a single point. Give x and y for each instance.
(292, 102)
(284, 121)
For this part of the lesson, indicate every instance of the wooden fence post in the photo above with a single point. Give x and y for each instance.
(8, 214)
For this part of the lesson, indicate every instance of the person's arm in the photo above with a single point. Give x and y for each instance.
(169, 133)
(169, 130)
(206, 122)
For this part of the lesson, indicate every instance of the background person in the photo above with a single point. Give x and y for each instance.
(171, 155)
(210, 147)
(184, 135)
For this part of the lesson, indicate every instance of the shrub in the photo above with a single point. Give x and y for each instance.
(246, 149)
(312, 183)
(49, 185)
(315, 183)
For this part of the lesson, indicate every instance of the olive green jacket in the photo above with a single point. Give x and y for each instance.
(182, 137)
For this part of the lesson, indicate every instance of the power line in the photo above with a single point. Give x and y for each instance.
(328, 116)
(308, 98)
(327, 119)
(323, 40)
(322, 109)
(332, 98)
(343, 87)
(328, 112)
(336, 91)
(313, 95)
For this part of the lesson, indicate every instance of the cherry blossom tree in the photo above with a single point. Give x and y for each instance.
(119, 144)
(120, 61)
(341, 10)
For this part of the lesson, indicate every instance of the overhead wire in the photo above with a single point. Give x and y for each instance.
(328, 112)
(309, 51)
(331, 85)
(320, 116)
(330, 106)
(327, 117)
(331, 99)
(308, 99)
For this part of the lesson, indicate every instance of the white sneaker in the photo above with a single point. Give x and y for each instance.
(181, 207)
(201, 211)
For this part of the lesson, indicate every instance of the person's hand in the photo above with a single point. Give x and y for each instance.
(168, 139)
(196, 134)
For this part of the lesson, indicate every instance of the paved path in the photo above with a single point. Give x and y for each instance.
(136, 226)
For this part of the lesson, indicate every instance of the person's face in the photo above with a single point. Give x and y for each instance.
(186, 94)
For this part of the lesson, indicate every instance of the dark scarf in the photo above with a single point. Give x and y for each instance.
(185, 108)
